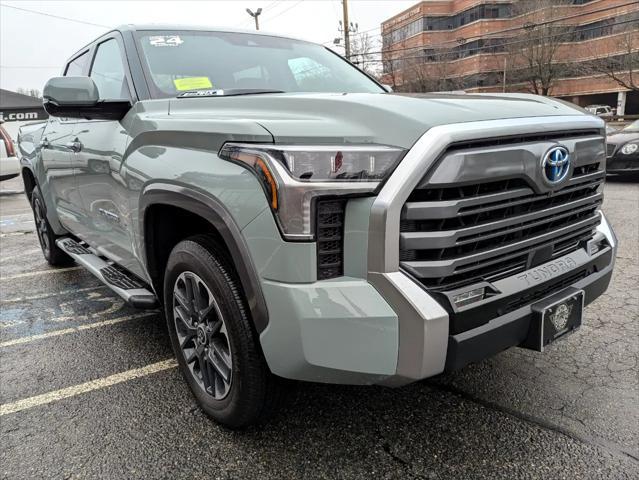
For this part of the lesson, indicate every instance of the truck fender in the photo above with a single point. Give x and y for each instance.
(208, 207)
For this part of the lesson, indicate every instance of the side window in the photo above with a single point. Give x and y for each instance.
(108, 72)
(75, 67)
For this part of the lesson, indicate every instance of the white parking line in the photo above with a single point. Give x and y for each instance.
(72, 391)
(80, 328)
(20, 254)
(41, 272)
(48, 295)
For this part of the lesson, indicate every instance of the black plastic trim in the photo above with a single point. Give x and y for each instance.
(510, 330)
(208, 207)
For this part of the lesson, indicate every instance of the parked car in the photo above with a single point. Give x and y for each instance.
(601, 110)
(295, 220)
(623, 150)
(9, 163)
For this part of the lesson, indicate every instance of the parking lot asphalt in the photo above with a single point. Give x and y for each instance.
(88, 389)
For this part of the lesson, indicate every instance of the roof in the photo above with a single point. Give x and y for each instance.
(9, 99)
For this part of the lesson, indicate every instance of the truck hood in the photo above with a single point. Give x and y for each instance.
(390, 119)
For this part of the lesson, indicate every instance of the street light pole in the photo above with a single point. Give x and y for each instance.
(255, 16)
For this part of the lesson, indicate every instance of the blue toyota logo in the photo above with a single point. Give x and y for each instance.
(556, 164)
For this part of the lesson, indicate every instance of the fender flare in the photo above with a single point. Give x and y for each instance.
(212, 210)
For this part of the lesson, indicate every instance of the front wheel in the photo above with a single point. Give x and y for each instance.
(212, 336)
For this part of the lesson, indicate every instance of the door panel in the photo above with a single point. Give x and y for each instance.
(57, 162)
(106, 224)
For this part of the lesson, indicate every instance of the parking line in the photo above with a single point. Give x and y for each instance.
(79, 328)
(74, 390)
(20, 254)
(41, 272)
(48, 295)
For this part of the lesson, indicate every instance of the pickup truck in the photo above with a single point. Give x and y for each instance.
(295, 220)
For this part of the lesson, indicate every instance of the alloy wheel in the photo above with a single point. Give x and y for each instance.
(42, 228)
(202, 335)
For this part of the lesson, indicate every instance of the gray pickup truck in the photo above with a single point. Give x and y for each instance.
(295, 220)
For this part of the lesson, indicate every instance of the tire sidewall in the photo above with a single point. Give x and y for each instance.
(186, 257)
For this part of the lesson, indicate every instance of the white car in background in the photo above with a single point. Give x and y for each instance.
(601, 110)
(9, 163)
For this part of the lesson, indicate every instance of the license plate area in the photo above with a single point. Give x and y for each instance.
(554, 317)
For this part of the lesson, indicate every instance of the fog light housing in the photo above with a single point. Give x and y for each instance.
(471, 296)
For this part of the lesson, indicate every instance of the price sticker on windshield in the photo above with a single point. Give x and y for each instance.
(165, 40)
(192, 83)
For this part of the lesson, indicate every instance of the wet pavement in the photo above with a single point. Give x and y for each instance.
(88, 390)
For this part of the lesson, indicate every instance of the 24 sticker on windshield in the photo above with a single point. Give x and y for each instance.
(165, 40)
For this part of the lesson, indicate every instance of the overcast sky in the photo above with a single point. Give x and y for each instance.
(33, 47)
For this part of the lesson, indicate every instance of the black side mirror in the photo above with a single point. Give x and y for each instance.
(78, 97)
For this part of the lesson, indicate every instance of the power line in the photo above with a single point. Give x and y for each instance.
(31, 66)
(286, 10)
(54, 16)
(512, 29)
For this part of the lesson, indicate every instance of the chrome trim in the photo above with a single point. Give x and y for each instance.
(383, 243)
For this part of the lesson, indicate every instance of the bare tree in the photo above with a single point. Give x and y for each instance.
(362, 46)
(534, 50)
(32, 92)
(623, 68)
(391, 73)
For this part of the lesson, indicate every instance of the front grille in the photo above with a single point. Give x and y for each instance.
(330, 238)
(456, 236)
(610, 149)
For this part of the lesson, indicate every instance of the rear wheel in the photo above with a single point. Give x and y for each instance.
(212, 336)
(52, 253)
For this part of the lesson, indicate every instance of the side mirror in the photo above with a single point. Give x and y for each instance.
(388, 88)
(78, 97)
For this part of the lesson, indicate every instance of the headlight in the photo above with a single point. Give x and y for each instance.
(293, 175)
(629, 148)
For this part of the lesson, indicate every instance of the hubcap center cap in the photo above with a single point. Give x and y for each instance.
(201, 335)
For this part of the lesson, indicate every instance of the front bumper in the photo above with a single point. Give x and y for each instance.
(619, 163)
(512, 328)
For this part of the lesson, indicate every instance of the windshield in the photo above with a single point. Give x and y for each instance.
(181, 61)
(633, 127)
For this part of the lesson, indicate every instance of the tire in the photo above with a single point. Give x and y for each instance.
(218, 352)
(52, 253)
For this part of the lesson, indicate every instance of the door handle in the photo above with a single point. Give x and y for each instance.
(74, 146)
(44, 143)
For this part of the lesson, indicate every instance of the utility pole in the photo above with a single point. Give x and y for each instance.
(347, 37)
(255, 15)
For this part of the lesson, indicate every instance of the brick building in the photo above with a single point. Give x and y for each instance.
(477, 45)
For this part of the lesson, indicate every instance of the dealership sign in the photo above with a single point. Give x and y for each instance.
(23, 115)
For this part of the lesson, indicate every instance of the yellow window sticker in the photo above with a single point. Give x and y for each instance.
(192, 83)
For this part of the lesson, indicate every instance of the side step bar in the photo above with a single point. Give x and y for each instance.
(132, 290)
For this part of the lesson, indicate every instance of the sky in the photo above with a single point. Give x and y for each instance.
(34, 47)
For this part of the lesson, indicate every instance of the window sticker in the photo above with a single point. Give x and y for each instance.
(192, 83)
(165, 41)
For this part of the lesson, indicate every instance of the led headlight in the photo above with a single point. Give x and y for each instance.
(629, 148)
(293, 175)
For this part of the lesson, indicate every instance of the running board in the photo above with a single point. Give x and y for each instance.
(132, 290)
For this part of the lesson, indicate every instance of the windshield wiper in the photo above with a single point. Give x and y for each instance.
(227, 93)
